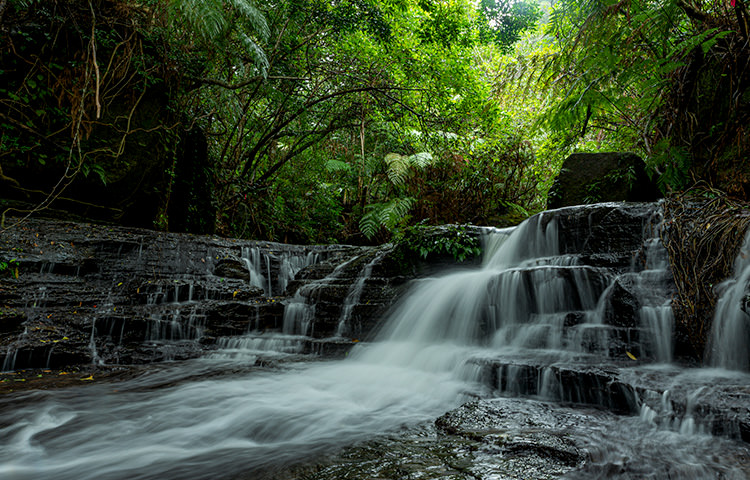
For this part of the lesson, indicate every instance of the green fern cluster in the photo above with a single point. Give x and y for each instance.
(390, 214)
(212, 21)
(384, 215)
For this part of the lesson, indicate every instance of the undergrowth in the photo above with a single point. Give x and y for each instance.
(703, 231)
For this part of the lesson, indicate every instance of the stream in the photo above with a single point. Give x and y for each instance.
(445, 391)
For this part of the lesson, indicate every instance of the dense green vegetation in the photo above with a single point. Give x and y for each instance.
(349, 120)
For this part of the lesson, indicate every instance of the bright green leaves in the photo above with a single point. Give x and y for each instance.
(389, 214)
(505, 21)
(400, 166)
(386, 215)
(653, 77)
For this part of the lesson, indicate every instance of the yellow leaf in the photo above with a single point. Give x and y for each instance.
(64, 373)
(90, 377)
(65, 338)
(119, 284)
(630, 355)
(234, 294)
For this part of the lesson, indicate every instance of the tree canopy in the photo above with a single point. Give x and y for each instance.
(347, 120)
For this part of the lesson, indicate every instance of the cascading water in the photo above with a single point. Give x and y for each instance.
(259, 267)
(729, 343)
(193, 420)
(299, 313)
(354, 294)
(252, 258)
(655, 314)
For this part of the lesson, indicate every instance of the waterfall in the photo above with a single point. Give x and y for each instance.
(354, 294)
(655, 314)
(252, 258)
(537, 310)
(729, 342)
(289, 264)
(524, 296)
(299, 313)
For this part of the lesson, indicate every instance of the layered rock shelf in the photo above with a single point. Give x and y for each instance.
(81, 294)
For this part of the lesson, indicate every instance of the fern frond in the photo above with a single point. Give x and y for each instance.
(421, 159)
(369, 224)
(398, 168)
(252, 14)
(384, 215)
(259, 56)
(391, 213)
(205, 17)
(338, 166)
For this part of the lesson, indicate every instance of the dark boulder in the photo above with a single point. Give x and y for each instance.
(621, 304)
(602, 177)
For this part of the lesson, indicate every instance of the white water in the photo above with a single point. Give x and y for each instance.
(258, 264)
(193, 420)
(299, 313)
(729, 343)
(656, 317)
(354, 293)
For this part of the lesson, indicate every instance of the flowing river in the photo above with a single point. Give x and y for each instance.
(252, 413)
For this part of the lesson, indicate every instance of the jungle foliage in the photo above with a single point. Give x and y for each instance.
(351, 120)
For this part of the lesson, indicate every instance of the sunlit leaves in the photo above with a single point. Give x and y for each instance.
(400, 166)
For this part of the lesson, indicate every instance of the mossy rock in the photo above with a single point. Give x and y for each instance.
(602, 177)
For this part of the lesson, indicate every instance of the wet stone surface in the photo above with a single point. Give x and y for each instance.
(82, 294)
(512, 439)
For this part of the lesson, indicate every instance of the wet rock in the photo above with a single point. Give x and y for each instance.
(108, 294)
(610, 233)
(621, 304)
(10, 319)
(532, 437)
(232, 268)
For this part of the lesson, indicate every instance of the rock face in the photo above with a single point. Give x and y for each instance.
(79, 293)
(82, 294)
(602, 177)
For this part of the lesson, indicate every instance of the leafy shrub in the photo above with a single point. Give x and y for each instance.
(424, 241)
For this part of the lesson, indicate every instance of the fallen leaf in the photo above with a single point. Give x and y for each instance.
(90, 377)
(630, 355)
